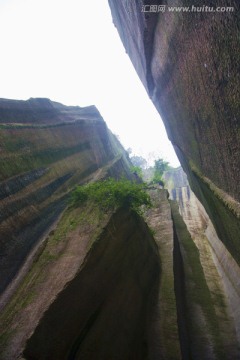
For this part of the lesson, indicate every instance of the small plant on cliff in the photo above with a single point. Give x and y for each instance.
(159, 167)
(110, 194)
(137, 171)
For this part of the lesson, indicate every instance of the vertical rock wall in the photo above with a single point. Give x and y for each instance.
(195, 313)
(164, 340)
(219, 269)
(102, 313)
(46, 149)
(188, 62)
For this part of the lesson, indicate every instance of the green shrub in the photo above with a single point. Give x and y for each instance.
(110, 194)
(137, 170)
(157, 179)
(159, 168)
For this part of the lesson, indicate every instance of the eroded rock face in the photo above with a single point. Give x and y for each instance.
(102, 313)
(188, 63)
(164, 330)
(46, 149)
(43, 111)
(217, 275)
(89, 293)
(102, 287)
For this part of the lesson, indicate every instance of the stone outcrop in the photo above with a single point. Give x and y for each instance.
(188, 63)
(215, 273)
(89, 292)
(164, 331)
(108, 285)
(81, 284)
(109, 321)
(46, 149)
(195, 309)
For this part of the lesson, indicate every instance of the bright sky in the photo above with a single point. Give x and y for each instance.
(70, 52)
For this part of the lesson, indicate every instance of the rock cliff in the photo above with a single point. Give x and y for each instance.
(109, 285)
(46, 149)
(88, 293)
(188, 63)
(219, 269)
(80, 283)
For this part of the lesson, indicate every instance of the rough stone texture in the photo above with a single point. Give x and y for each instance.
(46, 149)
(220, 270)
(88, 293)
(42, 111)
(188, 62)
(164, 337)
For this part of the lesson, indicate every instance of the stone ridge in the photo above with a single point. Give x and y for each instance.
(41, 160)
(43, 111)
(164, 341)
(97, 272)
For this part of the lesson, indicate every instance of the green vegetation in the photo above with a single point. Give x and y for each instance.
(159, 167)
(137, 170)
(110, 194)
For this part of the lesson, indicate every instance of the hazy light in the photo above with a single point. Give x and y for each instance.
(69, 51)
